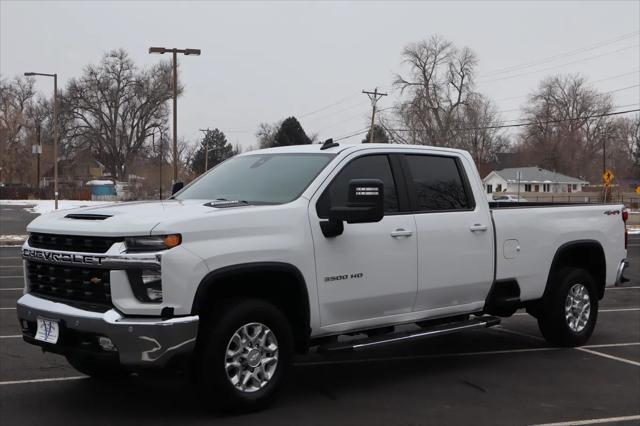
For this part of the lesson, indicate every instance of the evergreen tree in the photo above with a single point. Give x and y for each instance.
(379, 135)
(290, 133)
(219, 150)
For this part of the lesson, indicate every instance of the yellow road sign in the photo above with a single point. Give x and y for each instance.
(608, 177)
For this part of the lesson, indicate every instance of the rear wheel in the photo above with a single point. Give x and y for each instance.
(568, 314)
(244, 355)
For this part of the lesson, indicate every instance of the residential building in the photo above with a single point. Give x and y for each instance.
(531, 179)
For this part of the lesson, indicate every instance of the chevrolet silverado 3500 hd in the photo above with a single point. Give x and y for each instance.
(279, 250)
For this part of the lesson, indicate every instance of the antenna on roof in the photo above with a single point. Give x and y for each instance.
(329, 143)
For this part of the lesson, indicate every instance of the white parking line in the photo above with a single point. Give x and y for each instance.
(518, 333)
(10, 257)
(592, 421)
(13, 336)
(599, 311)
(10, 266)
(612, 345)
(11, 289)
(615, 358)
(53, 379)
(11, 276)
(431, 356)
(622, 288)
(7, 309)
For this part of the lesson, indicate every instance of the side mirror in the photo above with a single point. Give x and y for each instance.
(365, 204)
(176, 187)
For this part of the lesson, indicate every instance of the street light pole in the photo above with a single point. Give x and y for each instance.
(175, 116)
(56, 134)
(174, 51)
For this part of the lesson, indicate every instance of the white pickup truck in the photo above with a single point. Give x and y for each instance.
(276, 251)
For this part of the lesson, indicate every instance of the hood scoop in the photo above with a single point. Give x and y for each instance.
(87, 216)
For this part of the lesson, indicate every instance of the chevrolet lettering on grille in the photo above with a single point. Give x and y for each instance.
(57, 257)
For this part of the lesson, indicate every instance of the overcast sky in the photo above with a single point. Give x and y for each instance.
(264, 61)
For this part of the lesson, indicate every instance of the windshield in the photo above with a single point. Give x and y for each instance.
(258, 178)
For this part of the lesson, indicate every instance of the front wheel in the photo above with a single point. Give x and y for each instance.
(569, 311)
(244, 355)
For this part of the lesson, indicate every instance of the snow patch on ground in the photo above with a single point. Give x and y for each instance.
(46, 206)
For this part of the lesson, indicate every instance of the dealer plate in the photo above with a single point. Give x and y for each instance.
(48, 330)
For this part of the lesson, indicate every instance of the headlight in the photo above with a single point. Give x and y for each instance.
(153, 243)
(146, 284)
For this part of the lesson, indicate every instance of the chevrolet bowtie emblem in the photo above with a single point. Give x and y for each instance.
(95, 280)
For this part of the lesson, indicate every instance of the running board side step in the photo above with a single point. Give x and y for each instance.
(405, 337)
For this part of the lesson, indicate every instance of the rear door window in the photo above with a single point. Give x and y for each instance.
(438, 184)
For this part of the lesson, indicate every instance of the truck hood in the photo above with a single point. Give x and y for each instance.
(121, 219)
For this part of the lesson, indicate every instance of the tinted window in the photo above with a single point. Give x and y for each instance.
(437, 183)
(369, 167)
(258, 178)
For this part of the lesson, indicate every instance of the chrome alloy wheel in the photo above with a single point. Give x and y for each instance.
(251, 358)
(577, 308)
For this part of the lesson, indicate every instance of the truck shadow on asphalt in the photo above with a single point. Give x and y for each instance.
(401, 375)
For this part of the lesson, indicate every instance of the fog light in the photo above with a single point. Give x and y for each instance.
(154, 295)
(146, 284)
(106, 344)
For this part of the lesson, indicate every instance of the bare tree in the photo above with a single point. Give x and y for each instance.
(266, 134)
(625, 147)
(479, 131)
(569, 131)
(16, 96)
(439, 85)
(115, 108)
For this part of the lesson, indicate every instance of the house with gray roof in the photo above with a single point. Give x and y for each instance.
(531, 179)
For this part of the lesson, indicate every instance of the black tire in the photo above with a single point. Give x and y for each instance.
(215, 335)
(97, 368)
(552, 321)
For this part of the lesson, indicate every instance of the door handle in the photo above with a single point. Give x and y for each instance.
(401, 232)
(478, 228)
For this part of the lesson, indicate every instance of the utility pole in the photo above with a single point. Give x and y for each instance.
(374, 97)
(174, 51)
(206, 148)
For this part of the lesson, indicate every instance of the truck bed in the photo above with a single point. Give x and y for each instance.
(528, 235)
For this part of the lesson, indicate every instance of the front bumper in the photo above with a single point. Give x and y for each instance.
(620, 273)
(140, 342)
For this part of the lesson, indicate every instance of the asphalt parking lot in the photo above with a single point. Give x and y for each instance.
(506, 375)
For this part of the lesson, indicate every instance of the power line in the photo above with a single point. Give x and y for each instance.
(594, 81)
(328, 106)
(560, 55)
(624, 88)
(359, 104)
(558, 66)
(349, 118)
(359, 132)
(531, 123)
(617, 76)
